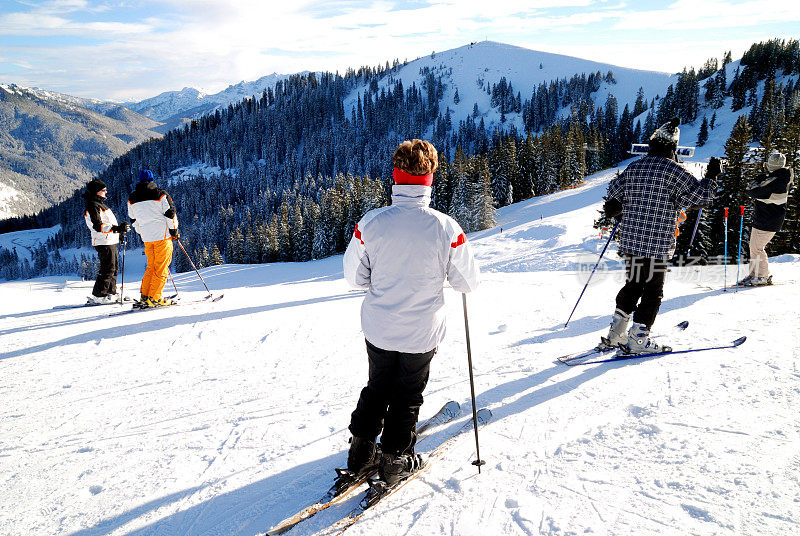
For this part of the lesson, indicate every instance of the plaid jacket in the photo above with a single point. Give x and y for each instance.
(652, 191)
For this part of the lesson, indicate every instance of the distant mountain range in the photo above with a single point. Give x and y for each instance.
(51, 144)
(172, 108)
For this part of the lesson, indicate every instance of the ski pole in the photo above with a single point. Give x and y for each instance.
(193, 266)
(739, 253)
(173, 282)
(122, 284)
(590, 275)
(694, 232)
(725, 269)
(477, 462)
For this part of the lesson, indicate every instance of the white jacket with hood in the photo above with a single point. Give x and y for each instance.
(152, 212)
(402, 254)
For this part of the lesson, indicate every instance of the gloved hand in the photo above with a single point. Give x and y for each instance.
(714, 168)
(122, 228)
(613, 209)
(174, 234)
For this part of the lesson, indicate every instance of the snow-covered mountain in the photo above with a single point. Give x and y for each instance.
(51, 144)
(471, 68)
(174, 107)
(225, 418)
(467, 69)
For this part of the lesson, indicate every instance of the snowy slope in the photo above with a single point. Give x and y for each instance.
(24, 242)
(468, 69)
(225, 418)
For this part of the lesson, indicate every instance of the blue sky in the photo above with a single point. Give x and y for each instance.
(136, 49)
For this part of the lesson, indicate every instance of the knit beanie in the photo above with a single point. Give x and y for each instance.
(145, 175)
(667, 134)
(775, 161)
(95, 185)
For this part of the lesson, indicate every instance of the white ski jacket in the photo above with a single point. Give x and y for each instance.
(152, 212)
(99, 219)
(402, 254)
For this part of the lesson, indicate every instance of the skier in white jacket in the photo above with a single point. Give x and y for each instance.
(402, 254)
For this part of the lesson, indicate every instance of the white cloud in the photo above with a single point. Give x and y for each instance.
(211, 43)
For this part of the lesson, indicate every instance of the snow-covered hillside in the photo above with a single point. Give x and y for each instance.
(51, 144)
(225, 418)
(9, 196)
(468, 69)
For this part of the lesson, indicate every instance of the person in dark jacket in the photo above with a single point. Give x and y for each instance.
(648, 197)
(770, 193)
(105, 233)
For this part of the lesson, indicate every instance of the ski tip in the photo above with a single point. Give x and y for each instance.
(452, 407)
(683, 325)
(739, 341)
(216, 298)
(484, 415)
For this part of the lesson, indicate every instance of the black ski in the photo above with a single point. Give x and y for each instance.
(584, 358)
(378, 490)
(87, 304)
(622, 356)
(347, 482)
(207, 299)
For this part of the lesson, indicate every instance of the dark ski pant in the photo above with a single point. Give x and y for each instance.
(106, 282)
(392, 398)
(644, 288)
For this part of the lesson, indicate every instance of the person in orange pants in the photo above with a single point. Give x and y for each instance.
(152, 214)
(159, 257)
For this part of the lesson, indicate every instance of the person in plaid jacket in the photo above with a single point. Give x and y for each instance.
(648, 197)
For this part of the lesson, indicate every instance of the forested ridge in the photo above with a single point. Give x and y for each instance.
(299, 169)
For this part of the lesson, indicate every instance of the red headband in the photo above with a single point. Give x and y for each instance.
(401, 177)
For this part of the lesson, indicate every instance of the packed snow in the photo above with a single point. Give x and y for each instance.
(25, 242)
(226, 417)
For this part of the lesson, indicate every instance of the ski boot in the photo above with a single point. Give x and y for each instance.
(617, 333)
(639, 342)
(761, 281)
(149, 301)
(395, 468)
(141, 303)
(362, 460)
(363, 455)
(747, 281)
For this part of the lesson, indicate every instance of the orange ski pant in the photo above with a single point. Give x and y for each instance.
(159, 257)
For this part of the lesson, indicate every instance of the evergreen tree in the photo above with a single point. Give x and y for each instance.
(702, 136)
(215, 258)
(730, 189)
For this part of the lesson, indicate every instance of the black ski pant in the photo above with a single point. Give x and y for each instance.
(106, 282)
(644, 288)
(392, 398)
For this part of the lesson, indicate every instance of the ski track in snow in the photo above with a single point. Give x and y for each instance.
(224, 418)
